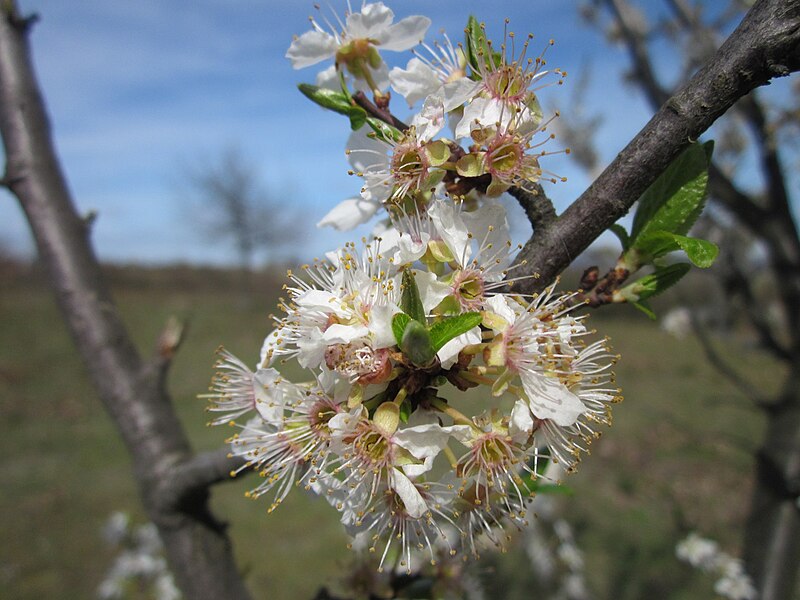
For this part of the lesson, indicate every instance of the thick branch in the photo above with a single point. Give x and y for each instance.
(772, 223)
(199, 553)
(199, 473)
(537, 206)
(765, 45)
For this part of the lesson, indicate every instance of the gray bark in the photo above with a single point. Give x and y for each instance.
(131, 389)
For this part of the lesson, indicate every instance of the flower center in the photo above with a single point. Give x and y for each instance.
(508, 83)
(491, 455)
(409, 166)
(504, 157)
(372, 446)
(320, 414)
(357, 361)
(469, 289)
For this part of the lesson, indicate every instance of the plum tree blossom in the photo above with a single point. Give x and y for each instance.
(396, 334)
(354, 42)
(389, 335)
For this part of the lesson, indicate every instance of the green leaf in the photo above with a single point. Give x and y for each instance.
(451, 327)
(405, 411)
(654, 244)
(645, 308)
(675, 200)
(416, 344)
(383, 130)
(410, 301)
(655, 283)
(399, 322)
(623, 236)
(337, 102)
(477, 45)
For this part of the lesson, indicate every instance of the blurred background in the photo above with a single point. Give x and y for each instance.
(163, 109)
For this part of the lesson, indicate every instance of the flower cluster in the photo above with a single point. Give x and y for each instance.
(140, 565)
(704, 554)
(437, 396)
(486, 95)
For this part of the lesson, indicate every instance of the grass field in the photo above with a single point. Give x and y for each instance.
(679, 456)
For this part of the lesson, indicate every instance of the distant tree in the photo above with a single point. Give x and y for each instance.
(232, 205)
(751, 190)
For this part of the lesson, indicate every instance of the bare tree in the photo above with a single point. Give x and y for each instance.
(232, 205)
(760, 128)
(173, 481)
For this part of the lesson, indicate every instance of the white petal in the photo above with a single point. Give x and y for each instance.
(448, 354)
(373, 20)
(416, 82)
(311, 48)
(311, 349)
(498, 304)
(446, 217)
(323, 301)
(550, 399)
(380, 324)
(349, 213)
(344, 334)
(269, 396)
(521, 419)
(431, 290)
(458, 92)
(426, 441)
(431, 118)
(489, 224)
(485, 111)
(329, 79)
(401, 247)
(365, 153)
(267, 354)
(412, 500)
(405, 34)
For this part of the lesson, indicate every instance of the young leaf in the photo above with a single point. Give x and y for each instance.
(337, 102)
(675, 200)
(452, 327)
(655, 283)
(383, 130)
(478, 45)
(405, 411)
(623, 236)
(416, 344)
(399, 322)
(410, 301)
(654, 244)
(645, 308)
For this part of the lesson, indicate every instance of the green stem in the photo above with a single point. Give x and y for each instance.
(401, 396)
(451, 457)
(457, 416)
(475, 378)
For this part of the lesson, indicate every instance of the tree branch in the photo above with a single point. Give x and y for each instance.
(765, 45)
(537, 206)
(198, 551)
(199, 473)
(721, 365)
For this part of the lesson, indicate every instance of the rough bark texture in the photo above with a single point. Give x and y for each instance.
(772, 536)
(765, 45)
(132, 390)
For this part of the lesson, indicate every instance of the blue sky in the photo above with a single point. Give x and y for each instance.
(136, 90)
